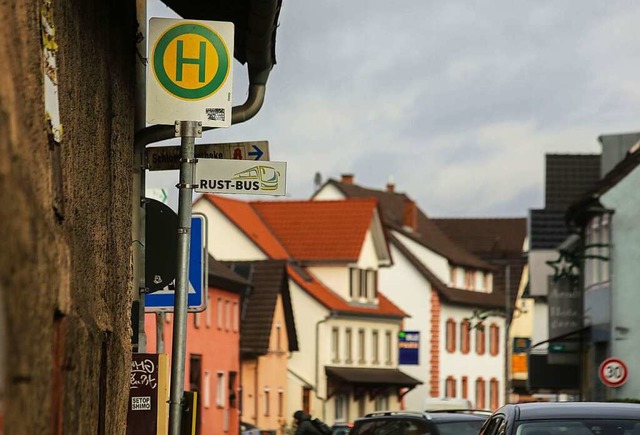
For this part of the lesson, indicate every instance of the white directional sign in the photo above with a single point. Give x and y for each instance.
(241, 176)
(164, 300)
(190, 71)
(613, 372)
(168, 158)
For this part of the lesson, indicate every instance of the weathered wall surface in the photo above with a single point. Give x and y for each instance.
(65, 279)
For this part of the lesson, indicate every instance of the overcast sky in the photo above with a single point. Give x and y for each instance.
(457, 101)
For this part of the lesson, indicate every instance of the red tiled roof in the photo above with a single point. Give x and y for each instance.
(332, 301)
(246, 217)
(243, 215)
(427, 233)
(310, 230)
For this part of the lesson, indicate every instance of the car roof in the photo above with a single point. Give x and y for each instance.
(435, 416)
(578, 410)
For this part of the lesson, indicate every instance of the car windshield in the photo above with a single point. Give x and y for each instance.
(459, 427)
(583, 427)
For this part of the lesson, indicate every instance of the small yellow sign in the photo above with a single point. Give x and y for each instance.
(519, 363)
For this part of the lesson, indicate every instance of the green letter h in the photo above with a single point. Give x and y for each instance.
(200, 61)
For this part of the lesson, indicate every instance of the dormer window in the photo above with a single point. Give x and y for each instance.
(363, 284)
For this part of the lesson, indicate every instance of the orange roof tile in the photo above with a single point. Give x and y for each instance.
(245, 218)
(254, 224)
(319, 230)
(332, 301)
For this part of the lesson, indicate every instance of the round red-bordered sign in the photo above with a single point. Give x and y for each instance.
(613, 372)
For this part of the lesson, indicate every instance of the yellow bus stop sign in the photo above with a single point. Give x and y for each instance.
(190, 72)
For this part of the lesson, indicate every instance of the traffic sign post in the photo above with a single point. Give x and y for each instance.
(168, 158)
(613, 372)
(189, 84)
(190, 72)
(164, 300)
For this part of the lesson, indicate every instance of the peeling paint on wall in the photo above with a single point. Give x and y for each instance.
(49, 52)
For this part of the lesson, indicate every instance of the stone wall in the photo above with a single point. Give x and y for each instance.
(65, 217)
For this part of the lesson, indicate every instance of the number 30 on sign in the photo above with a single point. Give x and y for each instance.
(613, 372)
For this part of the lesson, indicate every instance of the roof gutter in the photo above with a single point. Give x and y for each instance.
(239, 114)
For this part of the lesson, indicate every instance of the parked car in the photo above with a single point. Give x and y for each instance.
(564, 418)
(459, 422)
(341, 428)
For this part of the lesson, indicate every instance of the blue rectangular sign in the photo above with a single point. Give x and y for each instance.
(409, 347)
(164, 300)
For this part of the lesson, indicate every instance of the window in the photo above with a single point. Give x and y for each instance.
(480, 393)
(227, 315)
(278, 337)
(280, 403)
(480, 340)
(450, 339)
(493, 393)
(340, 411)
(453, 271)
(388, 343)
(220, 389)
(361, 346)
(335, 344)
(306, 399)
(362, 405)
(348, 345)
(465, 331)
(450, 387)
(236, 317)
(468, 279)
(372, 283)
(494, 339)
(207, 313)
(363, 284)
(220, 313)
(488, 282)
(267, 401)
(375, 347)
(381, 402)
(196, 320)
(362, 288)
(465, 387)
(480, 281)
(604, 250)
(206, 397)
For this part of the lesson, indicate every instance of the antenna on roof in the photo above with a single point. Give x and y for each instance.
(317, 181)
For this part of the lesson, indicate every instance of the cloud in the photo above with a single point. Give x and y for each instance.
(457, 100)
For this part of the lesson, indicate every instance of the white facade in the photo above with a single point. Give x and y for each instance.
(406, 287)
(316, 325)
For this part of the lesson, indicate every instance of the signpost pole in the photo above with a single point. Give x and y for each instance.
(188, 130)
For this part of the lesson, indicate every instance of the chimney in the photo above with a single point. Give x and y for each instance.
(410, 215)
(347, 179)
(391, 186)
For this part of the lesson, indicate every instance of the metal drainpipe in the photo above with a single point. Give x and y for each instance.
(331, 315)
(239, 114)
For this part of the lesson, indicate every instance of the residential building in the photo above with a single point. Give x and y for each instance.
(448, 292)
(212, 364)
(606, 256)
(567, 178)
(267, 338)
(503, 243)
(346, 327)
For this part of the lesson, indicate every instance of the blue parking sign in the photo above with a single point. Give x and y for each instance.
(164, 300)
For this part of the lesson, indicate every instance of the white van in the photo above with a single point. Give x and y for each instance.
(445, 403)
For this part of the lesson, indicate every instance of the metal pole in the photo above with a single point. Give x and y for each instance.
(160, 332)
(507, 334)
(188, 130)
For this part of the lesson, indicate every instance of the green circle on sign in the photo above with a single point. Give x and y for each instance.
(172, 87)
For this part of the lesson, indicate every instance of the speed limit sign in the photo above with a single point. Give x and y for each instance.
(613, 372)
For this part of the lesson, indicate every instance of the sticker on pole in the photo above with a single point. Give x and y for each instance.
(613, 372)
(190, 71)
(241, 176)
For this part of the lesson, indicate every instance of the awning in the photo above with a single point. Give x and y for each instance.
(367, 377)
